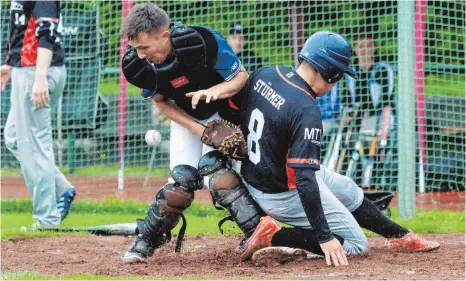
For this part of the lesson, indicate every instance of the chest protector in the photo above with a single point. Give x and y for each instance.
(190, 69)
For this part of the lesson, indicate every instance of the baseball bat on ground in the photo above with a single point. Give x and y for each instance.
(122, 229)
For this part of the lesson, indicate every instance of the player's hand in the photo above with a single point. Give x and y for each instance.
(202, 95)
(40, 92)
(334, 252)
(5, 74)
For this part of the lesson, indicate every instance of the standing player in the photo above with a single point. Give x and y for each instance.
(373, 91)
(35, 63)
(188, 72)
(283, 128)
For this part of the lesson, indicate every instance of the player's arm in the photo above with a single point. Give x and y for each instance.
(229, 67)
(229, 88)
(47, 21)
(304, 159)
(177, 115)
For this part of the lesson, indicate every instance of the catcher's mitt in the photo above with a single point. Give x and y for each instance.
(225, 137)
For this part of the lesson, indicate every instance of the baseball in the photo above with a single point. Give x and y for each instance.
(153, 138)
(24, 229)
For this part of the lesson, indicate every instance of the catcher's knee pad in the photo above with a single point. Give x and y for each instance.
(168, 205)
(228, 191)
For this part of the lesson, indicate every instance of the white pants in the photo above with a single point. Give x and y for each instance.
(339, 196)
(185, 146)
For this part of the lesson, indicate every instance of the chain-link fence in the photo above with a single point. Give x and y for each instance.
(360, 116)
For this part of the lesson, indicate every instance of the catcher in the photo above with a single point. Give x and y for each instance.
(188, 72)
(280, 118)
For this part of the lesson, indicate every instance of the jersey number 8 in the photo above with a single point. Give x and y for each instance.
(256, 125)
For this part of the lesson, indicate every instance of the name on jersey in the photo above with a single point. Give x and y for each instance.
(269, 94)
(313, 134)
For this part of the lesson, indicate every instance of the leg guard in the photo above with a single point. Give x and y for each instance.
(228, 190)
(166, 210)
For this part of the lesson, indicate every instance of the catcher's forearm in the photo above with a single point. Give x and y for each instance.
(230, 88)
(178, 116)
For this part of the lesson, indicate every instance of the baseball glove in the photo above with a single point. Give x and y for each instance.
(226, 137)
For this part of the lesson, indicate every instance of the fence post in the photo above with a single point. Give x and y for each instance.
(126, 6)
(420, 31)
(406, 110)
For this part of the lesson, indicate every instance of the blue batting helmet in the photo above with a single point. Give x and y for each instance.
(330, 54)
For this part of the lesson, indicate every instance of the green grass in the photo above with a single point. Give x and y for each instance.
(100, 171)
(16, 213)
(202, 219)
(435, 85)
(110, 87)
(445, 85)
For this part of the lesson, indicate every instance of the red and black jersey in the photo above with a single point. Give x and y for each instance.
(34, 24)
(282, 123)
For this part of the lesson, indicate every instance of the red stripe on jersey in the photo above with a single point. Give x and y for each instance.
(293, 85)
(232, 105)
(30, 44)
(290, 175)
(303, 161)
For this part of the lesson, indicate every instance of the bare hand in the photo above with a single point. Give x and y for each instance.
(202, 95)
(40, 92)
(334, 251)
(5, 74)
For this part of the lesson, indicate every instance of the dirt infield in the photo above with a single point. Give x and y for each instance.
(98, 188)
(204, 257)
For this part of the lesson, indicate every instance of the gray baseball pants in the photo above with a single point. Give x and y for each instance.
(28, 135)
(339, 195)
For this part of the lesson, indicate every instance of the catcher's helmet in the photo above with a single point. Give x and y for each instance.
(330, 54)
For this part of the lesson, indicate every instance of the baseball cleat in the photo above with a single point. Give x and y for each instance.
(277, 255)
(64, 203)
(139, 251)
(412, 242)
(134, 257)
(261, 238)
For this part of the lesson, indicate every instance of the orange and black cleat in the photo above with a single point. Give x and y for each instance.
(413, 243)
(261, 238)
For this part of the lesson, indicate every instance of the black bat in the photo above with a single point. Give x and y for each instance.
(122, 229)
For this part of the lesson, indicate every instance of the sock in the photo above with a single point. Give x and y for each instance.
(299, 238)
(371, 218)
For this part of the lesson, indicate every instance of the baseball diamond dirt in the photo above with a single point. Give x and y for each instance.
(214, 257)
(208, 257)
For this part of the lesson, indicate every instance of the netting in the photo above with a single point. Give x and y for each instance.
(360, 141)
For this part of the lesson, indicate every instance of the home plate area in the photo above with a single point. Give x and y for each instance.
(215, 257)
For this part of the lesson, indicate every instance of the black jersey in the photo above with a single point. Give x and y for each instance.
(224, 66)
(283, 127)
(34, 24)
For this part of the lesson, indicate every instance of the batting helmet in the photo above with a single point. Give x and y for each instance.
(330, 54)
